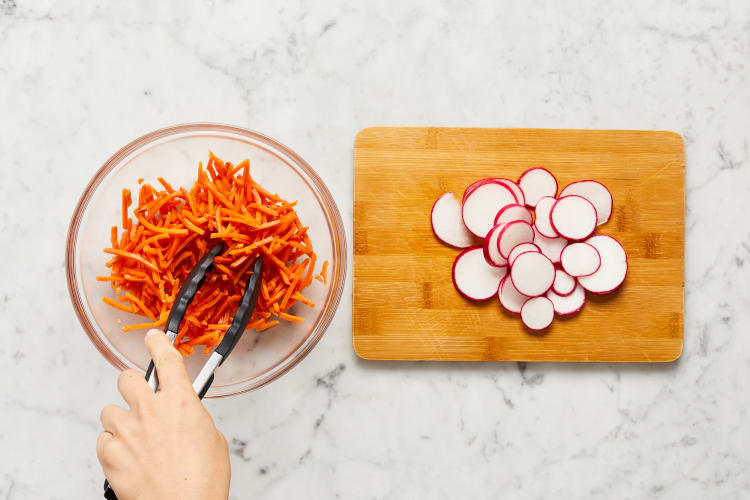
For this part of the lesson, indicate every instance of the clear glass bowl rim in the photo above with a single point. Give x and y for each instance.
(338, 277)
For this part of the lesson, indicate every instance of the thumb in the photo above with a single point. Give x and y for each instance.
(168, 362)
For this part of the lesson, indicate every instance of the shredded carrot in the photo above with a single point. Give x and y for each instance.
(141, 326)
(295, 319)
(174, 227)
(113, 237)
(185, 349)
(165, 184)
(126, 202)
(267, 325)
(324, 272)
(131, 255)
(116, 305)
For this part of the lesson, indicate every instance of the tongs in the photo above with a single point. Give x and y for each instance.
(185, 296)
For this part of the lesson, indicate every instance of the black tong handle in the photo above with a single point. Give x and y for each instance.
(234, 332)
(187, 292)
(244, 311)
(190, 287)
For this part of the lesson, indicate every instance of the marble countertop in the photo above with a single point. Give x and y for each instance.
(80, 79)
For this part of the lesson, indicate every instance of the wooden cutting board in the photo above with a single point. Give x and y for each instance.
(405, 306)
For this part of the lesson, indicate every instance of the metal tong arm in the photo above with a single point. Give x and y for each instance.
(183, 300)
(241, 318)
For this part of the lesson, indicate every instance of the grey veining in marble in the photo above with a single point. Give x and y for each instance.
(78, 79)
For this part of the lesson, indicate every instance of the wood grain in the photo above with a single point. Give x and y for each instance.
(405, 306)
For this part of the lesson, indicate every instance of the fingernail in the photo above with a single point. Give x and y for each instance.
(153, 331)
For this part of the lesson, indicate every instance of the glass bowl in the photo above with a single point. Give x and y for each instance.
(174, 153)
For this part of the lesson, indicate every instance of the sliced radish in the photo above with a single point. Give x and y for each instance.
(510, 298)
(568, 304)
(536, 183)
(542, 220)
(514, 233)
(596, 193)
(580, 259)
(551, 247)
(517, 192)
(519, 249)
(482, 205)
(564, 283)
(512, 213)
(526, 258)
(448, 224)
(473, 277)
(475, 185)
(491, 251)
(573, 217)
(532, 273)
(613, 268)
(537, 313)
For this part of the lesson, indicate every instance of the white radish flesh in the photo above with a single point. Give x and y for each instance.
(474, 278)
(475, 185)
(519, 249)
(532, 274)
(512, 213)
(568, 304)
(510, 298)
(482, 205)
(517, 192)
(491, 251)
(537, 313)
(448, 224)
(580, 259)
(542, 212)
(551, 247)
(537, 183)
(573, 217)
(596, 193)
(613, 268)
(564, 283)
(513, 234)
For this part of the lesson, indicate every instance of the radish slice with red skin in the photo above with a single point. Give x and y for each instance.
(537, 313)
(551, 247)
(596, 193)
(482, 205)
(542, 220)
(512, 213)
(513, 234)
(573, 217)
(613, 268)
(519, 249)
(532, 274)
(510, 298)
(569, 304)
(517, 192)
(474, 278)
(448, 224)
(490, 248)
(536, 183)
(475, 185)
(564, 283)
(580, 259)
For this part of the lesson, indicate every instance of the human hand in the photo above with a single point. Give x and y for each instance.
(166, 446)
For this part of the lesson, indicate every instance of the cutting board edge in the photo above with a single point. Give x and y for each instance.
(362, 133)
